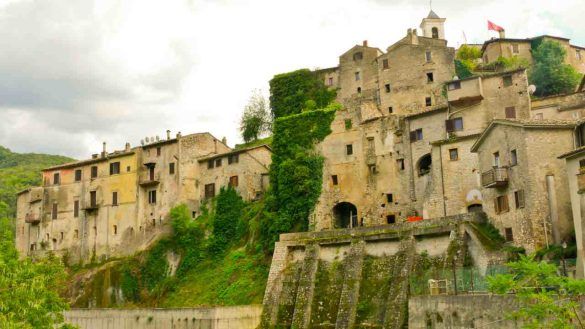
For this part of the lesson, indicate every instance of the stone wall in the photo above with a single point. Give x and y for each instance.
(461, 312)
(236, 317)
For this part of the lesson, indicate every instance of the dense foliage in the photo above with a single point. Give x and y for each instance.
(292, 92)
(466, 60)
(29, 291)
(296, 172)
(19, 171)
(256, 119)
(462, 70)
(550, 74)
(547, 300)
(228, 226)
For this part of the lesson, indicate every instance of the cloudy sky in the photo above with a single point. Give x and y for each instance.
(74, 73)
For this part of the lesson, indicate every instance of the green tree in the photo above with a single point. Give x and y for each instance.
(29, 291)
(547, 300)
(227, 224)
(466, 60)
(292, 92)
(550, 73)
(256, 119)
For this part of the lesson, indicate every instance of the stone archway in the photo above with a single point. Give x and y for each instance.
(424, 164)
(475, 208)
(345, 215)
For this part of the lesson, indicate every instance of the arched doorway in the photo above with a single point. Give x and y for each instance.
(435, 32)
(424, 164)
(345, 215)
(475, 208)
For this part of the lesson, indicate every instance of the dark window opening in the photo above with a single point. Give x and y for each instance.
(76, 208)
(334, 180)
(330, 82)
(428, 56)
(359, 90)
(114, 198)
(385, 65)
(78, 175)
(158, 151)
(454, 85)
(172, 168)
(152, 197)
(430, 77)
(209, 190)
(501, 204)
(349, 149)
(416, 135)
(582, 163)
(455, 124)
(424, 164)
(218, 162)
(475, 208)
(114, 168)
(454, 154)
(389, 197)
(357, 76)
(347, 124)
(115, 229)
(390, 110)
(233, 181)
(400, 164)
(509, 234)
(56, 178)
(193, 214)
(387, 87)
(94, 172)
(507, 80)
(54, 211)
(513, 158)
(358, 56)
(510, 112)
(210, 164)
(391, 219)
(128, 169)
(345, 215)
(234, 158)
(435, 32)
(428, 101)
(93, 199)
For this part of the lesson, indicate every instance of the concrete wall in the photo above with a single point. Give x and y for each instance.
(236, 317)
(461, 312)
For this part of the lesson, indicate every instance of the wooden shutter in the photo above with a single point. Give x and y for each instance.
(505, 205)
(510, 112)
(450, 125)
(520, 202)
(413, 136)
(496, 205)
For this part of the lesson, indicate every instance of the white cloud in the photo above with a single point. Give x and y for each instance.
(75, 73)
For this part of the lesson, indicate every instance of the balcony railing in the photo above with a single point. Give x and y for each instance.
(581, 182)
(146, 179)
(32, 219)
(90, 206)
(496, 177)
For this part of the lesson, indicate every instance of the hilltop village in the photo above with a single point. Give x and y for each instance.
(412, 143)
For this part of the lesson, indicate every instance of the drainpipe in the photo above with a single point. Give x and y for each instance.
(442, 180)
(552, 205)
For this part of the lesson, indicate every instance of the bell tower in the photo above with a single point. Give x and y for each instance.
(433, 26)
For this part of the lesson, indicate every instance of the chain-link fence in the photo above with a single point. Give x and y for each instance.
(466, 280)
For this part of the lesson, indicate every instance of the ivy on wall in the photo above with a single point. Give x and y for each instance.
(292, 92)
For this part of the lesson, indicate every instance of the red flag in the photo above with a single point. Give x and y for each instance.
(494, 27)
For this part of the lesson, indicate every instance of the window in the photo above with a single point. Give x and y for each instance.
(501, 204)
(539, 116)
(358, 56)
(454, 85)
(93, 199)
(510, 112)
(582, 163)
(372, 169)
(513, 158)
(454, 154)
(387, 87)
(158, 151)
(519, 199)
(128, 169)
(54, 211)
(218, 162)
(455, 124)
(210, 164)
(385, 65)
(430, 77)
(416, 135)
(497, 159)
(171, 168)
(114, 198)
(509, 234)
(115, 229)
(485, 59)
(507, 80)
(389, 198)
(435, 32)
(578, 54)
(330, 82)
(349, 149)
(94, 172)
(515, 48)
(400, 164)
(390, 109)
(357, 76)
(234, 158)
(334, 180)
(193, 214)
(209, 190)
(114, 168)
(78, 175)
(76, 208)
(391, 219)
(62, 235)
(152, 196)
(428, 101)
(428, 56)
(56, 178)
(76, 234)
(233, 181)
(359, 90)
(371, 144)
(347, 124)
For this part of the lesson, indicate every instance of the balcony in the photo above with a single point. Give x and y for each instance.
(32, 219)
(90, 206)
(464, 92)
(496, 177)
(36, 194)
(581, 182)
(149, 179)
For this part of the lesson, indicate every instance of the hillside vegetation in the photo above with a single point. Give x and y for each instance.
(20, 171)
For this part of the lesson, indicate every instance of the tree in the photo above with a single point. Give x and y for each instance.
(466, 60)
(256, 118)
(29, 290)
(546, 299)
(550, 73)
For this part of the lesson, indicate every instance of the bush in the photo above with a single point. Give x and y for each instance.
(550, 74)
(227, 223)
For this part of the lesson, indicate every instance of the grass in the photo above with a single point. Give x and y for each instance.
(258, 142)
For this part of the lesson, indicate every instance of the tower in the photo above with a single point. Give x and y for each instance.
(433, 26)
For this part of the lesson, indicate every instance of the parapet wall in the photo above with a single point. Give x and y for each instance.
(359, 277)
(237, 317)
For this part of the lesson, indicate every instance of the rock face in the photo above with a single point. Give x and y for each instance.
(356, 278)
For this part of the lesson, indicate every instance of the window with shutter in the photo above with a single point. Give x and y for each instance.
(209, 190)
(76, 208)
(510, 112)
(233, 181)
(114, 198)
(496, 206)
(509, 234)
(449, 126)
(413, 136)
(505, 207)
(54, 211)
(519, 198)
(94, 172)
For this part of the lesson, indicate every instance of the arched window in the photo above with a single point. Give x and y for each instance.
(435, 32)
(345, 215)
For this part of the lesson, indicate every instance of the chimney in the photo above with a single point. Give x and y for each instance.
(104, 150)
(365, 43)
(224, 140)
(178, 135)
(502, 34)
(127, 147)
(168, 134)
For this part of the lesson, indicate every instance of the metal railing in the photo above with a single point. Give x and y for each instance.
(496, 177)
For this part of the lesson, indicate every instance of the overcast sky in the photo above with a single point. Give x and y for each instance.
(74, 73)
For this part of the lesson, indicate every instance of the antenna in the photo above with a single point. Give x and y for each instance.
(531, 89)
(431, 4)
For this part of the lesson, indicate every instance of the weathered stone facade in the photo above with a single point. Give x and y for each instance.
(118, 203)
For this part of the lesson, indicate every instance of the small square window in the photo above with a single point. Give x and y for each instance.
(358, 56)
(334, 180)
(234, 158)
(430, 77)
(391, 219)
(507, 80)
(454, 154)
(389, 197)
(210, 164)
(233, 181)
(349, 149)
(114, 168)
(428, 101)
(385, 65)
(128, 169)
(510, 112)
(387, 87)
(390, 109)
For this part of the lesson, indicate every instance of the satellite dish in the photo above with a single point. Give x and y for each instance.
(455, 78)
(531, 89)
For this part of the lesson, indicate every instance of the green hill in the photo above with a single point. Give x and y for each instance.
(19, 171)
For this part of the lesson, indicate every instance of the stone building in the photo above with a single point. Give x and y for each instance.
(506, 47)
(524, 184)
(565, 107)
(117, 203)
